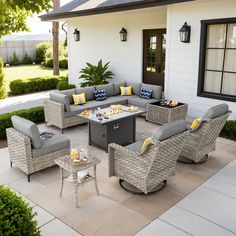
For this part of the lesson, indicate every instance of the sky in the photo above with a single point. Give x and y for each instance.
(40, 27)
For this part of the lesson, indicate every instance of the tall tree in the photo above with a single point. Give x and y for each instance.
(55, 33)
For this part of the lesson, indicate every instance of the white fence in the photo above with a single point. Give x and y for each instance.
(7, 48)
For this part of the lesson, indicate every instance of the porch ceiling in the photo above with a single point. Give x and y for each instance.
(77, 8)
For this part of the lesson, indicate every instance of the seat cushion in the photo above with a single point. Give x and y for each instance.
(89, 92)
(117, 87)
(69, 93)
(135, 86)
(108, 88)
(216, 111)
(140, 102)
(27, 128)
(136, 147)
(55, 143)
(156, 90)
(61, 98)
(117, 100)
(170, 129)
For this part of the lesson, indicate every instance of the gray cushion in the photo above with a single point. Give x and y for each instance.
(55, 143)
(89, 92)
(140, 102)
(27, 128)
(136, 87)
(69, 93)
(216, 111)
(156, 90)
(61, 98)
(117, 87)
(170, 129)
(108, 88)
(117, 100)
(136, 147)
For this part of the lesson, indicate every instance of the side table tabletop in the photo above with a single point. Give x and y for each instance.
(67, 164)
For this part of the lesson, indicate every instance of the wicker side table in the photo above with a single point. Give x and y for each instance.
(162, 115)
(66, 164)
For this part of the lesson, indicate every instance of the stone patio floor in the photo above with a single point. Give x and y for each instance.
(198, 200)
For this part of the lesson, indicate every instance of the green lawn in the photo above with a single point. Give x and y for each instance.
(29, 71)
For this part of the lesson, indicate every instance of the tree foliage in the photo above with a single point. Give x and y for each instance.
(3, 90)
(13, 14)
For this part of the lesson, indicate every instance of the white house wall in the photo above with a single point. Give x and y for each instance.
(183, 59)
(100, 40)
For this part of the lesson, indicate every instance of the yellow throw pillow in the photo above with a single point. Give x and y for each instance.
(79, 99)
(146, 142)
(126, 91)
(196, 123)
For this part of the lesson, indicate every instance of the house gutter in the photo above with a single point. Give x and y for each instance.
(109, 9)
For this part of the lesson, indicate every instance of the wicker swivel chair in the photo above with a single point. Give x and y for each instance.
(202, 140)
(31, 153)
(148, 170)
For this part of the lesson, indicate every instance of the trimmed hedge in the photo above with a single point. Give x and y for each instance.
(22, 86)
(229, 130)
(63, 85)
(35, 114)
(63, 63)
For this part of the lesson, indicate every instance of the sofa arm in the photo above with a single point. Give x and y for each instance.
(146, 135)
(54, 113)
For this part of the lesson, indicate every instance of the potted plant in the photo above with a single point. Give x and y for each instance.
(16, 216)
(95, 74)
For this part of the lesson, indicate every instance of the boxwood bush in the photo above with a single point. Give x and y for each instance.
(229, 130)
(22, 86)
(35, 114)
(63, 85)
(16, 216)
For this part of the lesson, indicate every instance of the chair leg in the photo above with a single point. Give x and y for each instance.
(62, 131)
(29, 177)
(11, 164)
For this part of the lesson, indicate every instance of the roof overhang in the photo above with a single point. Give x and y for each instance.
(51, 16)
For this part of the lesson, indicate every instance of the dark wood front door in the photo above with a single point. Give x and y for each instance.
(154, 48)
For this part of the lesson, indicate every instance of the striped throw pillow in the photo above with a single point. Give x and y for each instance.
(126, 91)
(79, 99)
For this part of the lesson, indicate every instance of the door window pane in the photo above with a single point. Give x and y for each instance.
(229, 84)
(231, 37)
(214, 59)
(151, 53)
(212, 81)
(230, 60)
(216, 36)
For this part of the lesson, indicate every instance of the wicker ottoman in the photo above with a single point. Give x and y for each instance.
(161, 115)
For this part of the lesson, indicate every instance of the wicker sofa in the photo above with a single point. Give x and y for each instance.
(202, 139)
(30, 152)
(62, 113)
(148, 169)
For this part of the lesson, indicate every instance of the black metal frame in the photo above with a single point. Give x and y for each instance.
(202, 60)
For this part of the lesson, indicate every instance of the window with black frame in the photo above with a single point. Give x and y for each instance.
(217, 69)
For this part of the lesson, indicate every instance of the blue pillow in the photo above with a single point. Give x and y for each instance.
(145, 93)
(100, 95)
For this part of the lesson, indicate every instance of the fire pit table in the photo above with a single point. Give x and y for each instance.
(161, 113)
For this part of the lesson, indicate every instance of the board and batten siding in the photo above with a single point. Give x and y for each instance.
(100, 39)
(182, 63)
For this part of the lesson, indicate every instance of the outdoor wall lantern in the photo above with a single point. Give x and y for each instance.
(184, 33)
(123, 35)
(76, 35)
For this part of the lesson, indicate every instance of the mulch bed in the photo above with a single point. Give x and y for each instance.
(3, 143)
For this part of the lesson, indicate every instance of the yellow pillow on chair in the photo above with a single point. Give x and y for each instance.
(79, 99)
(196, 123)
(146, 142)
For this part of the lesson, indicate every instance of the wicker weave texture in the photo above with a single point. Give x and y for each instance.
(55, 115)
(163, 115)
(19, 147)
(149, 169)
(202, 141)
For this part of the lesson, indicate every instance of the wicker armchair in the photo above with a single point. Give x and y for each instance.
(148, 170)
(202, 140)
(25, 156)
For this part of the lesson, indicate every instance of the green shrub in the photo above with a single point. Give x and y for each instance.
(229, 130)
(35, 114)
(16, 216)
(41, 50)
(63, 63)
(3, 89)
(26, 59)
(22, 86)
(14, 60)
(63, 85)
(48, 62)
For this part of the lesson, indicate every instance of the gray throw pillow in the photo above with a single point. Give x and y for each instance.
(170, 129)
(69, 93)
(136, 87)
(27, 128)
(117, 87)
(89, 92)
(108, 88)
(216, 111)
